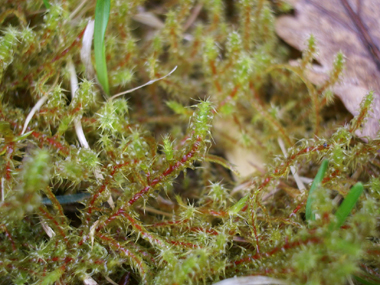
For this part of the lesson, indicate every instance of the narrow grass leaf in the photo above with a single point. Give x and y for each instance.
(102, 13)
(317, 180)
(239, 205)
(346, 207)
(223, 162)
(47, 4)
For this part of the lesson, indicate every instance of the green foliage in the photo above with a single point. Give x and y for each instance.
(316, 183)
(102, 14)
(308, 53)
(8, 44)
(47, 4)
(235, 209)
(348, 204)
(35, 175)
(153, 198)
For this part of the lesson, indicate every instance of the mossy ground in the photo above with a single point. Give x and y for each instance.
(158, 201)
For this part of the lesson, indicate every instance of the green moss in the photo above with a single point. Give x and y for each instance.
(153, 198)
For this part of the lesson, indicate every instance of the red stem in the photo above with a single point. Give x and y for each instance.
(275, 250)
(55, 222)
(9, 236)
(154, 182)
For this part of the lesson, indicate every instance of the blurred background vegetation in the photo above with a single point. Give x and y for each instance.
(200, 176)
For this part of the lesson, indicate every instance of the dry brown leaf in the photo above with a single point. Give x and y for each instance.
(88, 280)
(242, 158)
(337, 29)
(252, 280)
(149, 19)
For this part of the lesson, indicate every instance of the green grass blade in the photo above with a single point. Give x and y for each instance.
(102, 13)
(317, 180)
(346, 207)
(235, 209)
(47, 4)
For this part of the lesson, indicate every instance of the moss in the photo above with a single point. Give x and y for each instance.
(152, 199)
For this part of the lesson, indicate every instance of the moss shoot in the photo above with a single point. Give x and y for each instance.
(138, 188)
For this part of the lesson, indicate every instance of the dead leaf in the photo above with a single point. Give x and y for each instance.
(149, 19)
(350, 26)
(251, 280)
(88, 280)
(48, 230)
(242, 158)
(92, 233)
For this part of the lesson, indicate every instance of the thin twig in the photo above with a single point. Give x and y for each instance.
(148, 83)
(197, 9)
(77, 9)
(154, 211)
(36, 107)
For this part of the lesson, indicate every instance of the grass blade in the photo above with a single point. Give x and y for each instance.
(219, 160)
(317, 180)
(47, 4)
(348, 204)
(236, 208)
(102, 13)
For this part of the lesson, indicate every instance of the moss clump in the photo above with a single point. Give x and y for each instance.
(135, 189)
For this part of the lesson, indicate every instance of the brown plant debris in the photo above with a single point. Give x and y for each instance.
(349, 26)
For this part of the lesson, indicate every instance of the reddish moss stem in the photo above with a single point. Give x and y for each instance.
(9, 236)
(42, 138)
(57, 224)
(137, 261)
(55, 203)
(276, 250)
(156, 181)
(74, 44)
